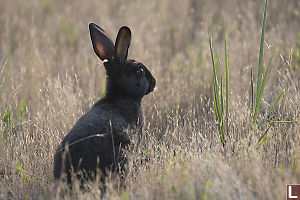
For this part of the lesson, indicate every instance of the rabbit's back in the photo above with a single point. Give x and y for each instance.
(98, 138)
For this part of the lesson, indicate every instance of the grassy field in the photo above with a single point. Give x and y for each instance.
(50, 76)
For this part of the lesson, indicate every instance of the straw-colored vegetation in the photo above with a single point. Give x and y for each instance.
(50, 76)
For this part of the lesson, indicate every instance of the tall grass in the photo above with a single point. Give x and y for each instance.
(219, 98)
(50, 77)
(261, 85)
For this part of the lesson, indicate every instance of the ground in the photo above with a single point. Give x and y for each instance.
(50, 77)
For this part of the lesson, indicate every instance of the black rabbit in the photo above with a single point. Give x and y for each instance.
(98, 139)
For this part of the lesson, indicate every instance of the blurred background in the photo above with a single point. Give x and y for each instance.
(45, 39)
(50, 76)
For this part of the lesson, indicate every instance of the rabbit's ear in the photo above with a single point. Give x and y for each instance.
(122, 44)
(102, 44)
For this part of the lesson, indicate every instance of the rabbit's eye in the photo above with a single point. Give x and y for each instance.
(140, 72)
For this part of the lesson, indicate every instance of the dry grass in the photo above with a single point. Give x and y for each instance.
(50, 76)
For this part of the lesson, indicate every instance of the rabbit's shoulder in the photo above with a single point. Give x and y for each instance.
(99, 120)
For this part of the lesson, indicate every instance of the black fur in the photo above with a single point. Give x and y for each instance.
(98, 139)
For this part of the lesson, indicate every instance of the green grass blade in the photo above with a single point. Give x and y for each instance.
(252, 89)
(227, 75)
(270, 125)
(260, 63)
(283, 122)
(216, 92)
(217, 102)
(222, 113)
(218, 109)
(263, 85)
(272, 108)
(222, 99)
(222, 132)
(261, 90)
(264, 134)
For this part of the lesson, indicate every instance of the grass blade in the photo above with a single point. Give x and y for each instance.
(264, 134)
(222, 113)
(221, 99)
(216, 110)
(227, 76)
(216, 91)
(217, 106)
(252, 89)
(283, 122)
(270, 124)
(263, 85)
(222, 133)
(272, 108)
(260, 63)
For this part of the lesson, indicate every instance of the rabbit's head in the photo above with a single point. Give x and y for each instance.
(125, 78)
